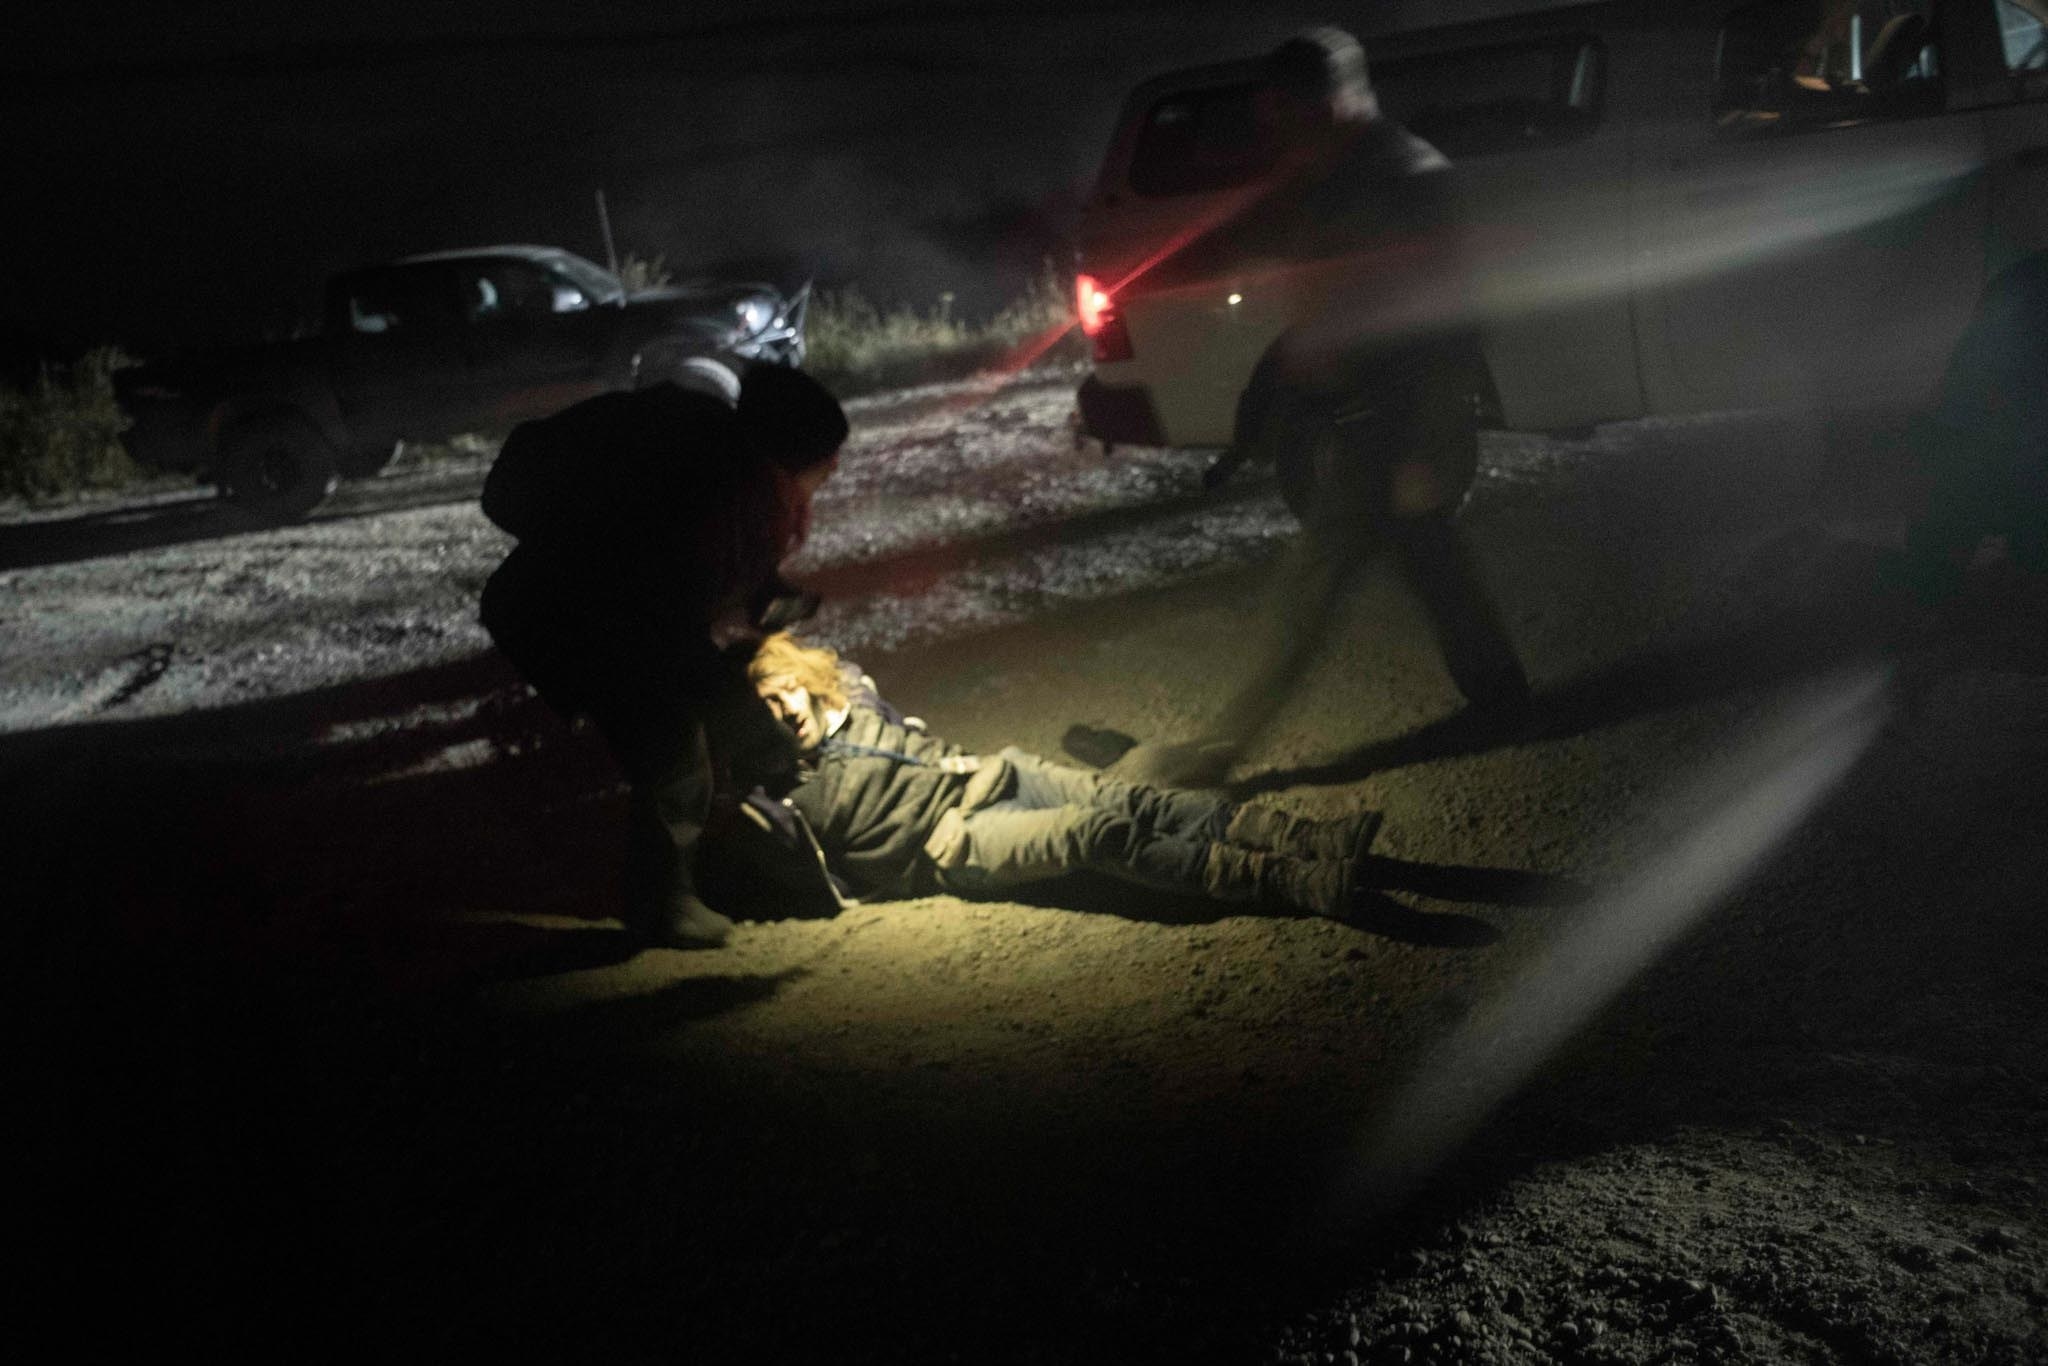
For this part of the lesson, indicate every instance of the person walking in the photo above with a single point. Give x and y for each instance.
(651, 525)
(1368, 404)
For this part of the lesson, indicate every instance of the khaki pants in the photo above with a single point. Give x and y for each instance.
(1042, 819)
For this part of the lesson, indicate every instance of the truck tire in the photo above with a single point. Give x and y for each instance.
(1301, 435)
(277, 468)
(1336, 457)
(694, 374)
(367, 462)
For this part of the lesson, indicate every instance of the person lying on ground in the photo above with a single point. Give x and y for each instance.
(899, 811)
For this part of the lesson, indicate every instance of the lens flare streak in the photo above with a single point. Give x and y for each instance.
(1761, 798)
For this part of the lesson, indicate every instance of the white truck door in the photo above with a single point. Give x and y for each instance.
(1543, 154)
(1818, 210)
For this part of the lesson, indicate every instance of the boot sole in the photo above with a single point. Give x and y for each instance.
(1368, 831)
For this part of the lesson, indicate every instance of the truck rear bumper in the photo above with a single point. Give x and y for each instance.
(1119, 413)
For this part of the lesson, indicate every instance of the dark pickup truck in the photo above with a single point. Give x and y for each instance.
(430, 346)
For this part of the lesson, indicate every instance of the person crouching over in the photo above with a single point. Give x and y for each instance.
(651, 528)
(900, 812)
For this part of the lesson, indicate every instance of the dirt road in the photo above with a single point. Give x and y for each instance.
(1698, 1022)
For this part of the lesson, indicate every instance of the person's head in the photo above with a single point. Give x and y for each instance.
(802, 684)
(792, 421)
(1314, 86)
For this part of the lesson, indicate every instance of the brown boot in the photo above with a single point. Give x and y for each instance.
(1276, 881)
(1345, 839)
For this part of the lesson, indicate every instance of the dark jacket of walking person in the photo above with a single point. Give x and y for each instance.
(651, 525)
(898, 811)
(1368, 405)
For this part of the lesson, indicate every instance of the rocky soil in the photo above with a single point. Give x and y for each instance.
(1699, 1020)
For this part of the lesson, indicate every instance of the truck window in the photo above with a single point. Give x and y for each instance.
(598, 286)
(2024, 32)
(509, 288)
(395, 300)
(1200, 140)
(1815, 64)
(1469, 103)
(1482, 101)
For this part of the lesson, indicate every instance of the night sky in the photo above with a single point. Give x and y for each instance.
(189, 177)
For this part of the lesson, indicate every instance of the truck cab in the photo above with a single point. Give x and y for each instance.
(433, 345)
(1669, 208)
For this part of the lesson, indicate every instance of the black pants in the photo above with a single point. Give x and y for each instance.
(1422, 423)
(678, 717)
(1436, 565)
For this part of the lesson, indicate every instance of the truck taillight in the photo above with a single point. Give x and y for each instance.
(1091, 304)
(1100, 322)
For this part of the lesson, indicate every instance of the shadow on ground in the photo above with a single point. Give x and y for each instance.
(1851, 626)
(270, 1107)
(184, 518)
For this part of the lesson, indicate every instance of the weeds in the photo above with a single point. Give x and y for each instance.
(856, 347)
(64, 433)
(638, 273)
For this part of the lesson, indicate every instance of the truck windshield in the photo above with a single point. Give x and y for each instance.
(599, 284)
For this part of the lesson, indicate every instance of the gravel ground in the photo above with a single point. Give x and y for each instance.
(1698, 1021)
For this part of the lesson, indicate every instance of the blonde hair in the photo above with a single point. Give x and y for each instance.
(813, 668)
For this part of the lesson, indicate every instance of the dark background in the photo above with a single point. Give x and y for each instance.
(188, 175)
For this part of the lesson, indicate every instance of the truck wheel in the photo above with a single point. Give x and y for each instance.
(277, 468)
(367, 462)
(1300, 436)
(1344, 458)
(693, 374)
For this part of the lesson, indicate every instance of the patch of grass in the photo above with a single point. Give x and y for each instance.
(63, 434)
(638, 272)
(856, 347)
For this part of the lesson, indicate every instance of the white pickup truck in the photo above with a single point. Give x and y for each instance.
(1679, 206)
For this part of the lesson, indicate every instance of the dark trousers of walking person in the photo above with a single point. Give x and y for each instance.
(1313, 573)
(1386, 475)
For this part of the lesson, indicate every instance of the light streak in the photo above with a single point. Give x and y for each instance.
(1762, 796)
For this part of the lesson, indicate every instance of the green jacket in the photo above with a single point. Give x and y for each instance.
(873, 793)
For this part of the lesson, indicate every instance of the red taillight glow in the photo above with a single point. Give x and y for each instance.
(1092, 304)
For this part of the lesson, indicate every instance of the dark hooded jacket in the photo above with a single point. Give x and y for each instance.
(644, 520)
